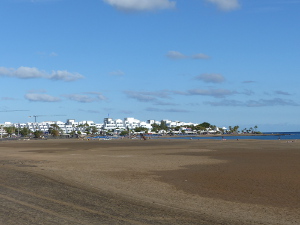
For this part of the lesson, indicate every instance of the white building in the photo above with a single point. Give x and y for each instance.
(146, 125)
(131, 123)
(65, 128)
(108, 124)
(173, 124)
(128, 123)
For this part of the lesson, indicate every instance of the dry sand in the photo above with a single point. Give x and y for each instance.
(245, 182)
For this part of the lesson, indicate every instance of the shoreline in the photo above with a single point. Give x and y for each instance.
(155, 136)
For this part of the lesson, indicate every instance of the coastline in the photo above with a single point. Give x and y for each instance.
(297, 135)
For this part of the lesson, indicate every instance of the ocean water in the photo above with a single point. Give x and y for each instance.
(268, 136)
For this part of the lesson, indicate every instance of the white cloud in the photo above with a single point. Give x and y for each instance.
(255, 103)
(22, 72)
(38, 97)
(226, 102)
(247, 92)
(248, 81)
(176, 55)
(164, 103)
(36, 1)
(99, 95)
(90, 111)
(271, 102)
(126, 112)
(282, 93)
(65, 75)
(211, 78)
(179, 55)
(141, 97)
(200, 56)
(217, 93)
(225, 5)
(53, 54)
(86, 97)
(7, 99)
(32, 72)
(80, 98)
(147, 96)
(141, 5)
(117, 73)
(44, 54)
(173, 110)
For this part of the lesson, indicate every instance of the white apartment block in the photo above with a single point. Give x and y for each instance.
(108, 124)
(127, 123)
(66, 128)
(131, 123)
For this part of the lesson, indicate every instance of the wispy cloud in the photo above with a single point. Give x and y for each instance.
(7, 99)
(155, 98)
(272, 102)
(80, 98)
(216, 93)
(86, 97)
(174, 110)
(200, 56)
(164, 103)
(140, 96)
(117, 73)
(98, 95)
(65, 76)
(226, 102)
(287, 2)
(90, 111)
(144, 96)
(40, 1)
(225, 5)
(247, 92)
(179, 55)
(175, 55)
(22, 72)
(44, 54)
(33, 73)
(282, 93)
(248, 82)
(41, 97)
(254, 103)
(141, 5)
(210, 78)
(53, 54)
(128, 112)
(275, 6)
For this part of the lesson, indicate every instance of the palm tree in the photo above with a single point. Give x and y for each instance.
(255, 127)
(38, 133)
(251, 129)
(54, 130)
(235, 128)
(94, 130)
(10, 130)
(25, 131)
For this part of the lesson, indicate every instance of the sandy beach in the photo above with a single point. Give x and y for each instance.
(157, 181)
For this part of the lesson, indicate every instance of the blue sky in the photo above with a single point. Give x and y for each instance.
(226, 62)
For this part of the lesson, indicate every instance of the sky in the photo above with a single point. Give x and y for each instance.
(226, 62)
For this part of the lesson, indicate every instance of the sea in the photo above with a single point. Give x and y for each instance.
(265, 136)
